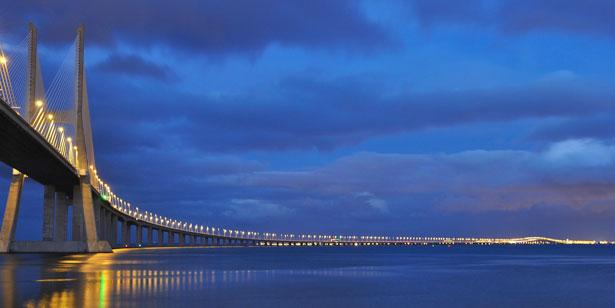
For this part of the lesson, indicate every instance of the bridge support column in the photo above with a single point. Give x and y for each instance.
(77, 217)
(99, 212)
(125, 233)
(11, 211)
(139, 235)
(48, 209)
(159, 238)
(182, 239)
(106, 226)
(61, 217)
(113, 228)
(84, 208)
(150, 235)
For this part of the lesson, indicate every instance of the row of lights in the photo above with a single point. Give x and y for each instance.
(44, 123)
(126, 207)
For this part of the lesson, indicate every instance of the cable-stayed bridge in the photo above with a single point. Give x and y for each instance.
(46, 136)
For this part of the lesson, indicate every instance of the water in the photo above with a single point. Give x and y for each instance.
(462, 276)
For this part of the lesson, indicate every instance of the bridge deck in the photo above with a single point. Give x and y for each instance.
(25, 150)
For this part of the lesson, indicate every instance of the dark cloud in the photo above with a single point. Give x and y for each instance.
(594, 17)
(326, 114)
(601, 126)
(134, 65)
(211, 26)
(431, 12)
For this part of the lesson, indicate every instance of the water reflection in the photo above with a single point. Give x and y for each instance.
(109, 279)
(310, 277)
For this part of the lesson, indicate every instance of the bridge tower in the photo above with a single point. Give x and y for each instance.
(82, 193)
(11, 212)
(58, 199)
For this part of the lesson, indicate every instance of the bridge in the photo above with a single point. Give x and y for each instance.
(46, 136)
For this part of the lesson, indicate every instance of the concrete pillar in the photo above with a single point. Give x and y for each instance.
(84, 207)
(11, 211)
(77, 217)
(61, 217)
(125, 233)
(139, 235)
(108, 225)
(100, 220)
(150, 235)
(113, 230)
(112, 227)
(159, 239)
(48, 209)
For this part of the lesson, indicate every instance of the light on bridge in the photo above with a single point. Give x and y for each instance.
(3, 60)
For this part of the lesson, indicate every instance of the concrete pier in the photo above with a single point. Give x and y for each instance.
(49, 200)
(139, 242)
(61, 217)
(11, 211)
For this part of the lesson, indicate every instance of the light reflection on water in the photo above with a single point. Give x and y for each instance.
(81, 280)
(308, 277)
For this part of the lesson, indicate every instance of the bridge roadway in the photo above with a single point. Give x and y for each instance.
(106, 215)
(24, 149)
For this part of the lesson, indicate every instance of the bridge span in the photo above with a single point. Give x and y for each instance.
(50, 141)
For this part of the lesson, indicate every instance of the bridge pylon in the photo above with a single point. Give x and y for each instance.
(9, 221)
(57, 199)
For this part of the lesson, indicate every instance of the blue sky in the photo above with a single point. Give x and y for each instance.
(463, 118)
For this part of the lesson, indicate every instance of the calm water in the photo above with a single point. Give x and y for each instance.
(513, 276)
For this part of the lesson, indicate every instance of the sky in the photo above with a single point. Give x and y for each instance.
(443, 118)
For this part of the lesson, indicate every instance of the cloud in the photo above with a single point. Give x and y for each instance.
(581, 152)
(595, 17)
(325, 114)
(213, 27)
(377, 204)
(252, 209)
(134, 65)
(514, 17)
(573, 173)
(599, 126)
